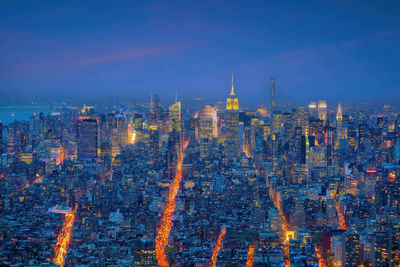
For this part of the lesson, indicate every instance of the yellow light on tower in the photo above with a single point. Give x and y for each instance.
(289, 235)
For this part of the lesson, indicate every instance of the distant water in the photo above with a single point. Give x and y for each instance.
(10, 114)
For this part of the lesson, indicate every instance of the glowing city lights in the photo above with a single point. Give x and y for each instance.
(250, 255)
(217, 247)
(133, 137)
(64, 238)
(321, 261)
(165, 226)
(342, 219)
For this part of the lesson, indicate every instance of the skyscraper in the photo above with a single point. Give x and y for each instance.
(210, 112)
(312, 109)
(87, 138)
(175, 122)
(352, 249)
(272, 84)
(232, 120)
(322, 110)
(154, 137)
(205, 135)
(339, 127)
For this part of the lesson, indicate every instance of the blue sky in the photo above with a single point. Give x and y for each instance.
(334, 50)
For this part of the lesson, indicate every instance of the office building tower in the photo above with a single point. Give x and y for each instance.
(138, 121)
(350, 134)
(210, 112)
(376, 137)
(316, 157)
(352, 250)
(154, 139)
(194, 129)
(205, 135)
(122, 129)
(273, 103)
(232, 120)
(381, 249)
(175, 117)
(395, 244)
(302, 149)
(340, 130)
(337, 247)
(301, 118)
(362, 134)
(277, 122)
(312, 108)
(316, 129)
(87, 138)
(322, 110)
(329, 144)
(105, 149)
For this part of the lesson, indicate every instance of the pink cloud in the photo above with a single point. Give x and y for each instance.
(83, 56)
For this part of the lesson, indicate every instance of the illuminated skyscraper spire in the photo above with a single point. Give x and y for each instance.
(232, 87)
(232, 101)
(340, 130)
(339, 113)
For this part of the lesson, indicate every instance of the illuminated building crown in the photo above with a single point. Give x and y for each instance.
(232, 102)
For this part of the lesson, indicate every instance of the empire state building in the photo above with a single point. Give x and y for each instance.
(232, 121)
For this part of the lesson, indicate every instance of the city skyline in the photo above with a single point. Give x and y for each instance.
(338, 52)
(200, 134)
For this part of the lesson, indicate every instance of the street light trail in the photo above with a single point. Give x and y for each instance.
(64, 238)
(342, 219)
(250, 255)
(165, 226)
(217, 247)
(321, 260)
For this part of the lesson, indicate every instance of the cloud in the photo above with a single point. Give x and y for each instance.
(129, 54)
(66, 57)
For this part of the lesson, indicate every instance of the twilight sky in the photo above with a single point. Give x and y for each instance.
(334, 50)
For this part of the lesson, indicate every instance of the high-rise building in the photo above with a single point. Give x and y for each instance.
(210, 112)
(87, 137)
(205, 135)
(328, 143)
(154, 137)
(273, 103)
(381, 249)
(322, 110)
(277, 122)
(194, 129)
(362, 134)
(312, 108)
(175, 119)
(232, 120)
(352, 250)
(395, 246)
(339, 127)
(316, 129)
(301, 118)
(138, 121)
